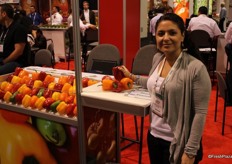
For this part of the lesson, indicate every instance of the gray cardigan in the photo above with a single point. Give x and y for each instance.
(186, 98)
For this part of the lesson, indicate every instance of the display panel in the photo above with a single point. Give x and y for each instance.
(181, 8)
(29, 139)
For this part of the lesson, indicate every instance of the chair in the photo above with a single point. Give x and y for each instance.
(103, 58)
(223, 91)
(204, 43)
(51, 49)
(43, 57)
(88, 40)
(142, 64)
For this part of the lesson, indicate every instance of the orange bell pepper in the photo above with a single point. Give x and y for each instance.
(7, 96)
(107, 84)
(25, 79)
(23, 73)
(34, 98)
(26, 101)
(66, 87)
(39, 103)
(26, 90)
(35, 75)
(49, 78)
(75, 111)
(92, 82)
(61, 108)
(127, 83)
(63, 96)
(9, 87)
(63, 80)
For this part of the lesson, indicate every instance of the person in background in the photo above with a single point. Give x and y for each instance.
(222, 17)
(228, 49)
(87, 16)
(180, 87)
(56, 18)
(203, 22)
(35, 16)
(151, 12)
(69, 21)
(159, 9)
(169, 9)
(165, 4)
(40, 40)
(13, 42)
(83, 26)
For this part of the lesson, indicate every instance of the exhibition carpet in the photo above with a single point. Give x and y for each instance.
(213, 142)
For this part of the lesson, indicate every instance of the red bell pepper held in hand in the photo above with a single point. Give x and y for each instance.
(118, 74)
(117, 86)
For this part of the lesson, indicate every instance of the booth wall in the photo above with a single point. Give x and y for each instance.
(125, 38)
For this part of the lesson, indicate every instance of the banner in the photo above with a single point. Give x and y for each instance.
(181, 8)
(9, 1)
(207, 3)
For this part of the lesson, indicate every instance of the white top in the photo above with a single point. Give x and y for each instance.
(202, 22)
(56, 19)
(83, 26)
(86, 14)
(153, 23)
(228, 34)
(158, 128)
(70, 20)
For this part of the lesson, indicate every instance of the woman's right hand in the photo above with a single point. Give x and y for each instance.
(125, 71)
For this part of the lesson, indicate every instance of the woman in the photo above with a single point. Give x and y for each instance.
(180, 87)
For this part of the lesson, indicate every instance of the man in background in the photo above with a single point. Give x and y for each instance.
(222, 17)
(88, 16)
(159, 9)
(203, 22)
(56, 18)
(13, 42)
(35, 16)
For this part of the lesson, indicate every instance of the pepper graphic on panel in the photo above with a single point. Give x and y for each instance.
(21, 143)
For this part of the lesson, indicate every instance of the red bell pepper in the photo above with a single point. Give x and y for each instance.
(117, 86)
(118, 74)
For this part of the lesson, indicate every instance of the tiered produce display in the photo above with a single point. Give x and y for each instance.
(41, 91)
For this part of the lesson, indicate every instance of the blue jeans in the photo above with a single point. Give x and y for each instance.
(9, 67)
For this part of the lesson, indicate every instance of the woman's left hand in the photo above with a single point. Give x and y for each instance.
(186, 160)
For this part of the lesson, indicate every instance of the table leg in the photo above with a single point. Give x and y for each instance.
(141, 140)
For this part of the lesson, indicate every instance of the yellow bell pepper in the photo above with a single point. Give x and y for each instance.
(26, 101)
(51, 85)
(7, 96)
(37, 84)
(22, 88)
(39, 102)
(3, 85)
(21, 140)
(15, 80)
(56, 95)
(72, 90)
(61, 108)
